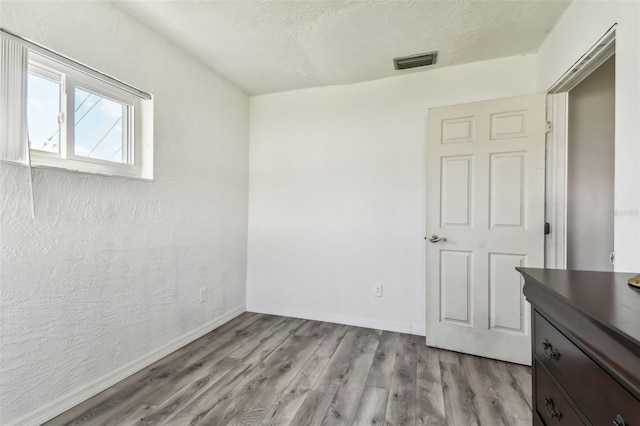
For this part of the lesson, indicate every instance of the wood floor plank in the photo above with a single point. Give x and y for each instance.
(207, 375)
(332, 340)
(509, 392)
(285, 409)
(430, 408)
(372, 406)
(401, 404)
(269, 370)
(251, 345)
(448, 356)
(357, 367)
(382, 368)
(313, 409)
(459, 398)
(491, 409)
(151, 414)
(521, 376)
(219, 394)
(332, 378)
(262, 386)
(263, 390)
(513, 421)
(197, 378)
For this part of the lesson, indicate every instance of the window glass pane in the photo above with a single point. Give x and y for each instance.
(43, 109)
(99, 127)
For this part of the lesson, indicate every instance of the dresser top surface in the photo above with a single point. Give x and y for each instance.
(603, 296)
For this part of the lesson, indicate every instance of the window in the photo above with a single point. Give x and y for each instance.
(56, 112)
(77, 121)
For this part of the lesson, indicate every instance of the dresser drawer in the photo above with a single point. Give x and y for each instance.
(598, 395)
(552, 406)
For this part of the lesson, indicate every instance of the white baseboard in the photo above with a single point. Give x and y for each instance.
(339, 319)
(76, 396)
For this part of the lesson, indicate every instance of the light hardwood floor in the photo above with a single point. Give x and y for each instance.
(269, 370)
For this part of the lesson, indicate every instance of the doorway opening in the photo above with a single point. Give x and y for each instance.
(590, 170)
(580, 163)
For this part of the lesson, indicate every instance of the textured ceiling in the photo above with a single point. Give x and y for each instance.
(273, 46)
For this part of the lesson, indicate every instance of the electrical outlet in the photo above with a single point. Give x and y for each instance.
(377, 290)
(203, 294)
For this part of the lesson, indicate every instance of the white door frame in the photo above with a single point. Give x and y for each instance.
(555, 246)
(556, 155)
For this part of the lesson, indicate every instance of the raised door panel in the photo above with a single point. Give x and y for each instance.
(458, 130)
(507, 186)
(506, 302)
(509, 125)
(456, 288)
(455, 192)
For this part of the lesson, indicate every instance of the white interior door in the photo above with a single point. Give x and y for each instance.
(485, 194)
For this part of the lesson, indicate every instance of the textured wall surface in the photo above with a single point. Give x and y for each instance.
(338, 192)
(110, 269)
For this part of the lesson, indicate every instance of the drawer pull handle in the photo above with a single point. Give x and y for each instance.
(548, 403)
(549, 352)
(619, 421)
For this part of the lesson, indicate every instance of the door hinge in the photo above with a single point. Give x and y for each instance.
(612, 258)
(547, 228)
(547, 128)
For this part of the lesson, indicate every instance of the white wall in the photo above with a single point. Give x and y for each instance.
(107, 275)
(338, 192)
(582, 24)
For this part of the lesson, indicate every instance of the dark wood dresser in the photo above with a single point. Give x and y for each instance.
(585, 347)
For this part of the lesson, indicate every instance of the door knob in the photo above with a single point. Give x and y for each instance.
(434, 238)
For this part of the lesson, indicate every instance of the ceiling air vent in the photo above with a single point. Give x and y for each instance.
(414, 61)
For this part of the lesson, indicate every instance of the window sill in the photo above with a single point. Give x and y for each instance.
(78, 170)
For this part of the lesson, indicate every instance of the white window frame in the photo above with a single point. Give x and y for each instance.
(70, 78)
